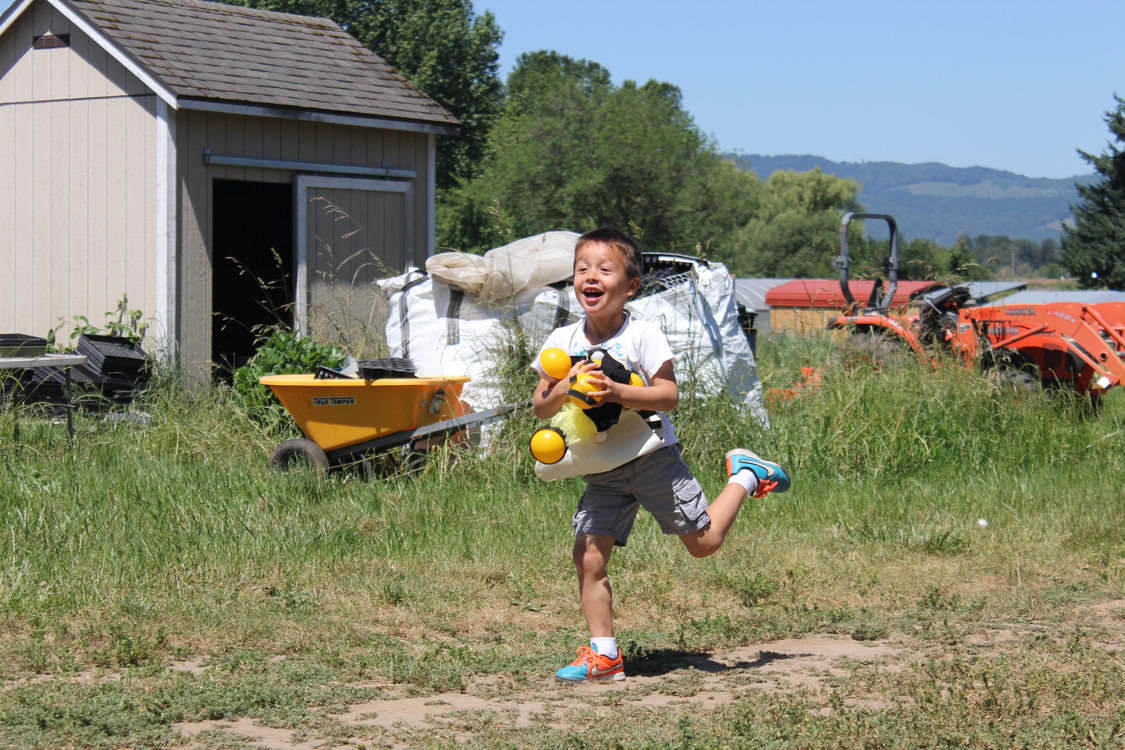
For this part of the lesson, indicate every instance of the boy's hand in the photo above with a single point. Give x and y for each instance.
(578, 367)
(661, 395)
(581, 365)
(609, 391)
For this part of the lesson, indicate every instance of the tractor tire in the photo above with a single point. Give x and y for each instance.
(1019, 379)
(873, 350)
(298, 454)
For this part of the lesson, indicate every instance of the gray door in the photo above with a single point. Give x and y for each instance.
(349, 232)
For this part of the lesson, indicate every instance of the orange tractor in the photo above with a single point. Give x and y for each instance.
(1061, 344)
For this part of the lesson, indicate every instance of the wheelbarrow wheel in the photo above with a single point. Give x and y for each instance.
(298, 453)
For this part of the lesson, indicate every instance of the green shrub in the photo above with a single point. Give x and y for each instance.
(280, 353)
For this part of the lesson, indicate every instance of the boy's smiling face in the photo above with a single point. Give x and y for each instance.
(601, 282)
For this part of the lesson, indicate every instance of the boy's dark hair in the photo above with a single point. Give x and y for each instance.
(622, 243)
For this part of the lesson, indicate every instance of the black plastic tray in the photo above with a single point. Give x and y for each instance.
(390, 367)
(113, 355)
(327, 373)
(21, 345)
(47, 381)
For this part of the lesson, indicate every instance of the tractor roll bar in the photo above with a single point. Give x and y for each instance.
(842, 261)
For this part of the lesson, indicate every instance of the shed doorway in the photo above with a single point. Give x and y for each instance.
(251, 267)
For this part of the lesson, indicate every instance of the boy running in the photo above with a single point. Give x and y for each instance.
(607, 273)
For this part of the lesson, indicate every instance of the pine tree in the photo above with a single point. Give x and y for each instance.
(1094, 248)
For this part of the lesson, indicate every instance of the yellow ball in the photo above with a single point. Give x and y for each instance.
(548, 445)
(582, 384)
(555, 362)
(635, 379)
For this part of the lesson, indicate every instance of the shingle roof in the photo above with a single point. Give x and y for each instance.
(210, 51)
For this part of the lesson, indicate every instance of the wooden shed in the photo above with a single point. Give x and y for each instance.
(219, 167)
(803, 305)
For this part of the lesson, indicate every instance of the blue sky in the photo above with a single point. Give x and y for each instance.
(1010, 84)
(1014, 85)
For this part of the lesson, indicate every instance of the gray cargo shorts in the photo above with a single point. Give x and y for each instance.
(660, 481)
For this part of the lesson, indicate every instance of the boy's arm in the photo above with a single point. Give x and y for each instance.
(662, 395)
(550, 395)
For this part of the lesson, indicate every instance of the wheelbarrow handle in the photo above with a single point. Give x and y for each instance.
(437, 428)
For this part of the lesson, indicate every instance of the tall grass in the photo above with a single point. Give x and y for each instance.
(150, 541)
(141, 505)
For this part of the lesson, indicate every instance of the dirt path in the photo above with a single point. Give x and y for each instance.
(672, 678)
(664, 679)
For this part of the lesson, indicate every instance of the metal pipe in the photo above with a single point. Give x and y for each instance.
(304, 166)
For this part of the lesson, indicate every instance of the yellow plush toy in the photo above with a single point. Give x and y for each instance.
(556, 363)
(581, 417)
(580, 386)
(548, 445)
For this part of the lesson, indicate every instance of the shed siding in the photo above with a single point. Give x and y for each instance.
(801, 319)
(76, 182)
(78, 187)
(283, 140)
(82, 70)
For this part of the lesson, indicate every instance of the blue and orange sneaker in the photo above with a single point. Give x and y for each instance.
(590, 665)
(771, 477)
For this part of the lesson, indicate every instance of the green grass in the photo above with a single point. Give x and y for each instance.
(146, 547)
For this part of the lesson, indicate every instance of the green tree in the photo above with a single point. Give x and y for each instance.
(1048, 253)
(1005, 257)
(572, 151)
(795, 227)
(537, 71)
(441, 46)
(963, 264)
(918, 258)
(1094, 248)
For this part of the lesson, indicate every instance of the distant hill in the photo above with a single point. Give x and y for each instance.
(937, 202)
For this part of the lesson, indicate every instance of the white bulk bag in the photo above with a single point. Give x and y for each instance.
(447, 331)
(508, 271)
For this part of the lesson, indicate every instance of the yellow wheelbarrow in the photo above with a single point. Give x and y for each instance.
(346, 419)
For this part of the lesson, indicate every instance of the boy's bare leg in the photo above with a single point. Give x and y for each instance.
(591, 558)
(723, 512)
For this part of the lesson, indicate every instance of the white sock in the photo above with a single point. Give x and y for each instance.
(605, 646)
(747, 479)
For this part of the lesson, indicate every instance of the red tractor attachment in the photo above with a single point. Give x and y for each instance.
(1061, 344)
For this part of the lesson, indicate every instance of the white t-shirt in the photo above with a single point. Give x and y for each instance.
(638, 344)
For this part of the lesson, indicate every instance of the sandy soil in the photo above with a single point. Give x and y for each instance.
(663, 679)
(674, 678)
